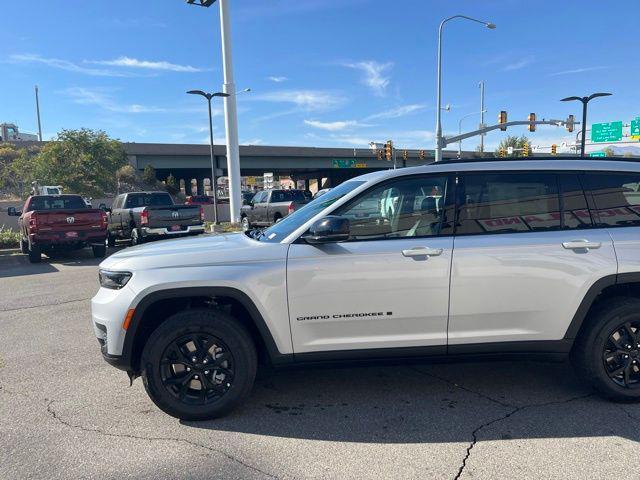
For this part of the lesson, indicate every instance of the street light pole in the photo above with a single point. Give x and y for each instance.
(38, 114)
(230, 109)
(585, 101)
(482, 112)
(214, 183)
(438, 153)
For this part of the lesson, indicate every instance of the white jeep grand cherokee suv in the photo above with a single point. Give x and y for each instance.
(535, 257)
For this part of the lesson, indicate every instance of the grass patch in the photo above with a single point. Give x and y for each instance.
(225, 227)
(9, 238)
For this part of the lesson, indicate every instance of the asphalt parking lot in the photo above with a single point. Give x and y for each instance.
(64, 413)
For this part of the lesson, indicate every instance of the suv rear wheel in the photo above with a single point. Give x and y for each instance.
(607, 352)
(199, 364)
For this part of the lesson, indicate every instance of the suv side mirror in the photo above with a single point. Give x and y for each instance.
(12, 212)
(104, 208)
(329, 229)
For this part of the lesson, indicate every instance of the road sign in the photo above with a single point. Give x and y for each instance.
(606, 132)
(635, 129)
(348, 163)
(510, 150)
(597, 154)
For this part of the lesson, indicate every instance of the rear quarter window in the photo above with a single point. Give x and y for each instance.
(616, 197)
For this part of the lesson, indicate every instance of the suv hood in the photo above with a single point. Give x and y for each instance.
(201, 251)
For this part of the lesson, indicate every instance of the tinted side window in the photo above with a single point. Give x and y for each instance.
(574, 203)
(408, 207)
(508, 203)
(259, 198)
(616, 197)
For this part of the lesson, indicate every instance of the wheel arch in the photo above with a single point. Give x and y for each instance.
(627, 284)
(157, 306)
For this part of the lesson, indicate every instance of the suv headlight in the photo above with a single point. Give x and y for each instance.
(113, 280)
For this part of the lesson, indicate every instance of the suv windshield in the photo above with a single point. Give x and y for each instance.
(280, 230)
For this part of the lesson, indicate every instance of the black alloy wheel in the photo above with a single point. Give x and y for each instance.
(621, 355)
(197, 369)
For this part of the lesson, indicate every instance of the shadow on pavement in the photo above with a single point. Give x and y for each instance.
(429, 404)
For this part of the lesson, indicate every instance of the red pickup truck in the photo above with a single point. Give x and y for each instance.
(50, 223)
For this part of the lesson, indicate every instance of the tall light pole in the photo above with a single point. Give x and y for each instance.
(230, 109)
(38, 115)
(460, 130)
(482, 112)
(439, 74)
(585, 101)
(214, 183)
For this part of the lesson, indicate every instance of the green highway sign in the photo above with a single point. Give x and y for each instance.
(606, 132)
(348, 163)
(597, 154)
(635, 129)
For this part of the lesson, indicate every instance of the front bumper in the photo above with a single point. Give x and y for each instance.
(108, 311)
(163, 231)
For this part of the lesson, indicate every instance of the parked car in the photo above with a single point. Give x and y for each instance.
(50, 223)
(199, 200)
(270, 206)
(142, 216)
(534, 258)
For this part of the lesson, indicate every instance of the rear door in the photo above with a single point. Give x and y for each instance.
(525, 255)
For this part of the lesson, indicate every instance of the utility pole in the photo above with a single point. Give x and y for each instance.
(482, 115)
(38, 114)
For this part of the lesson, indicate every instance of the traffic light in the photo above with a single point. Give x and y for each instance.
(532, 118)
(379, 153)
(388, 150)
(571, 123)
(525, 148)
(554, 149)
(502, 118)
(422, 154)
(502, 152)
(405, 154)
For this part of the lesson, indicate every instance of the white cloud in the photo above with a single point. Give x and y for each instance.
(375, 76)
(128, 62)
(335, 126)
(397, 112)
(577, 70)
(517, 65)
(66, 65)
(99, 98)
(304, 99)
(277, 79)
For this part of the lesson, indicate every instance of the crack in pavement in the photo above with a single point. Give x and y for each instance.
(57, 417)
(45, 305)
(504, 417)
(462, 387)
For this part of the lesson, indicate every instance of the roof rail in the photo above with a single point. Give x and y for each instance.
(529, 159)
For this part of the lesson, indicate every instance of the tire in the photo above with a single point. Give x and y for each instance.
(24, 246)
(110, 241)
(186, 403)
(246, 224)
(276, 218)
(35, 254)
(596, 356)
(136, 238)
(99, 251)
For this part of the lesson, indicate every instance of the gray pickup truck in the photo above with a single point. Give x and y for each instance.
(140, 216)
(269, 206)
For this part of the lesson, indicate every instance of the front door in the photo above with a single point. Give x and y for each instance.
(388, 286)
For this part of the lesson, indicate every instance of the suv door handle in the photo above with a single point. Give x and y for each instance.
(581, 245)
(422, 252)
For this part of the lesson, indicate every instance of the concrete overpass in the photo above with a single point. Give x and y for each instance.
(327, 166)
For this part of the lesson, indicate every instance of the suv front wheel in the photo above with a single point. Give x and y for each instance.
(199, 364)
(607, 351)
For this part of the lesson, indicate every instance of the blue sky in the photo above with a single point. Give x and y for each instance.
(322, 72)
